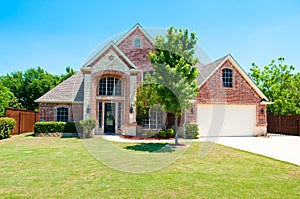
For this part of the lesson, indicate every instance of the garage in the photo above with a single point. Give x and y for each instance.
(226, 120)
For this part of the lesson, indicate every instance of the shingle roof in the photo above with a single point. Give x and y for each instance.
(206, 70)
(70, 90)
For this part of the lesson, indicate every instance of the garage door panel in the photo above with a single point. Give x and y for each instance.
(226, 120)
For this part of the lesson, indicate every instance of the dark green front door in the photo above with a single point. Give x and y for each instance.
(109, 118)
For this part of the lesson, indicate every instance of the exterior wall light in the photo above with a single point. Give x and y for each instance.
(262, 111)
(88, 109)
(131, 109)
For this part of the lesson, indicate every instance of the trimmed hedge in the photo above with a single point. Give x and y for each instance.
(192, 131)
(7, 125)
(54, 127)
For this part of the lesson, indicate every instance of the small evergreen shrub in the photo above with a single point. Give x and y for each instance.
(54, 127)
(88, 125)
(170, 133)
(150, 133)
(162, 134)
(7, 125)
(192, 131)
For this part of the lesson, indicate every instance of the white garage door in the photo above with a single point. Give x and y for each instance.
(226, 120)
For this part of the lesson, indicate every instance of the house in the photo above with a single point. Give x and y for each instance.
(228, 102)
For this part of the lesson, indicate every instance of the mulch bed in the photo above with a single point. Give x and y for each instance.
(129, 137)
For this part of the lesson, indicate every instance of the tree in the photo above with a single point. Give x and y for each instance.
(5, 98)
(280, 85)
(33, 83)
(174, 71)
(146, 98)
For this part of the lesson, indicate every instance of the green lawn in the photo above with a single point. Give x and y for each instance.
(34, 167)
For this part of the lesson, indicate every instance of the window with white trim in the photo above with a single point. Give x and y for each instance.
(227, 78)
(137, 43)
(110, 86)
(155, 119)
(62, 114)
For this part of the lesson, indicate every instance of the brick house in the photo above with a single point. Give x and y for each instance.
(228, 102)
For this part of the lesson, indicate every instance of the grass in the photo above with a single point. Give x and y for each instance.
(35, 167)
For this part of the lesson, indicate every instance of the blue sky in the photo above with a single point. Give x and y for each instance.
(54, 34)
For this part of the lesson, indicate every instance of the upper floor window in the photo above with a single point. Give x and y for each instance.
(110, 86)
(137, 43)
(227, 77)
(62, 114)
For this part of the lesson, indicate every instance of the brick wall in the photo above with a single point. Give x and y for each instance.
(137, 55)
(213, 92)
(48, 111)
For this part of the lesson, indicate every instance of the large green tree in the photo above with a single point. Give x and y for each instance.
(5, 98)
(280, 84)
(174, 63)
(29, 85)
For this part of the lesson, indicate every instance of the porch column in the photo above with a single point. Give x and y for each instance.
(87, 91)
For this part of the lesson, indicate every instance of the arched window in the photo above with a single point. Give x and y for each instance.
(62, 114)
(110, 86)
(227, 77)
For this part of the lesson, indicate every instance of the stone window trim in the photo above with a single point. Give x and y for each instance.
(227, 78)
(56, 113)
(137, 43)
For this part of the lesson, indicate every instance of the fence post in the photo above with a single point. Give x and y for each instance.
(19, 130)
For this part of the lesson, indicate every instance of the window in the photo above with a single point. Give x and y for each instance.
(119, 115)
(110, 86)
(62, 114)
(155, 119)
(227, 77)
(100, 115)
(137, 43)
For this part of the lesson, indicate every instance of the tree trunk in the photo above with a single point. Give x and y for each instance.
(175, 129)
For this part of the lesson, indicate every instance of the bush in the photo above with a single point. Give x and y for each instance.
(7, 125)
(150, 133)
(170, 133)
(54, 127)
(192, 131)
(166, 134)
(88, 125)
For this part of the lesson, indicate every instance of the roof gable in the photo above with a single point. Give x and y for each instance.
(139, 28)
(206, 71)
(110, 46)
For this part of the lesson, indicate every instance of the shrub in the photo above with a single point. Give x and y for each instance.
(170, 133)
(7, 125)
(54, 127)
(192, 131)
(88, 125)
(150, 133)
(162, 134)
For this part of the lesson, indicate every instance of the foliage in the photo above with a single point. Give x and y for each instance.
(7, 125)
(150, 133)
(29, 85)
(5, 98)
(166, 134)
(88, 124)
(174, 71)
(280, 85)
(192, 131)
(54, 127)
(146, 98)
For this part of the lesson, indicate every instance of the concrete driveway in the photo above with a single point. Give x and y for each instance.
(285, 148)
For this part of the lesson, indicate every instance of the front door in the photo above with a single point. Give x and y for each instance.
(109, 118)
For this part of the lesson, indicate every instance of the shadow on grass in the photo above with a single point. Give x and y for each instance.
(150, 147)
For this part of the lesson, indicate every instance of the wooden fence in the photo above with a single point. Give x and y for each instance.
(284, 124)
(24, 119)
